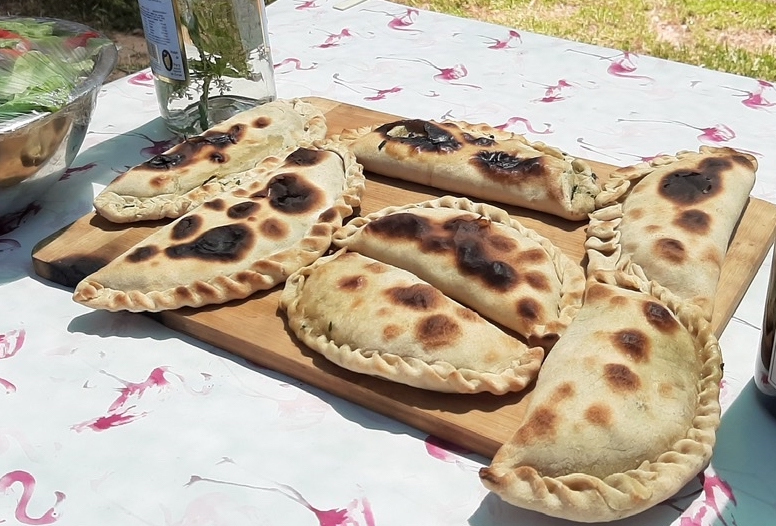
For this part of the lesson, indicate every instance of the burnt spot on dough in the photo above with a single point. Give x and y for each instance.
(541, 425)
(621, 378)
(290, 194)
(329, 215)
(223, 243)
(501, 243)
(671, 250)
(141, 254)
(437, 330)
(597, 292)
(660, 317)
(404, 226)
(687, 187)
(218, 157)
(635, 214)
(219, 139)
(164, 161)
(633, 343)
(529, 309)
(533, 256)
(563, 392)
(537, 281)
(391, 332)
(599, 415)
(417, 297)
(472, 259)
(216, 204)
(423, 136)
(184, 153)
(262, 122)
(351, 283)
(187, 227)
(305, 157)
(483, 141)
(695, 221)
(504, 168)
(242, 210)
(273, 228)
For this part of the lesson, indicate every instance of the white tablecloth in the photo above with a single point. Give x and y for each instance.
(114, 419)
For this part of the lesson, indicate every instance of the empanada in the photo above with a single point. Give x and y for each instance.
(673, 218)
(160, 187)
(377, 319)
(249, 239)
(479, 256)
(479, 161)
(624, 411)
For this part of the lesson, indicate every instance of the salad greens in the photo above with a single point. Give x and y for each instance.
(40, 67)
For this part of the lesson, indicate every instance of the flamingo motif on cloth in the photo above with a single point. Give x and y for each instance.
(27, 482)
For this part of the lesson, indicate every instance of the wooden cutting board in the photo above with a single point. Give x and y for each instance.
(254, 329)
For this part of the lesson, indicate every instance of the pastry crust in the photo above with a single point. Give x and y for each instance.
(672, 219)
(478, 161)
(239, 242)
(478, 255)
(624, 412)
(168, 185)
(376, 319)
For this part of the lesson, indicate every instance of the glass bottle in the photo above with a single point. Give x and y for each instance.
(765, 363)
(210, 59)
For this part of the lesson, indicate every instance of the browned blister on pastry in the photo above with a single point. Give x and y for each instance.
(477, 160)
(249, 239)
(624, 411)
(672, 219)
(373, 318)
(167, 185)
(479, 256)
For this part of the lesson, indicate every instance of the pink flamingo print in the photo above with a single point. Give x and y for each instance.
(144, 78)
(446, 75)
(506, 43)
(755, 99)
(716, 134)
(620, 65)
(380, 94)
(295, 63)
(333, 517)
(103, 423)
(300, 6)
(28, 487)
(156, 147)
(77, 169)
(711, 486)
(400, 22)
(525, 122)
(447, 452)
(555, 93)
(8, 386)
(334, 40)
(11, 342)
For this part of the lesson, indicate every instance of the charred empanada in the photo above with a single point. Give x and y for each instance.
(162, 186)
(479, 256)
(249, 239)
(478, 161)
(377, 319)
(672, 219)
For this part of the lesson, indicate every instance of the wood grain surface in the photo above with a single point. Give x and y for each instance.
(256, 330)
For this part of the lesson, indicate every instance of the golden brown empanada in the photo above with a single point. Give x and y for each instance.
(377, 319)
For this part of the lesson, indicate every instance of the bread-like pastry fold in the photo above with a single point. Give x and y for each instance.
(672, 219)
(479, 256)
(479, 161)
(239, 242)
(373, 318)
(166, 185)
(624, 411)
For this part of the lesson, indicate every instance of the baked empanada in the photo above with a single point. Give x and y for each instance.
(624, 411)
(377, 319)
(673, 218)
(249, 239)
(478, 161)
(479, 256)
(160, 187)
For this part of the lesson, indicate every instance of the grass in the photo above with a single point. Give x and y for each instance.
(737, 36)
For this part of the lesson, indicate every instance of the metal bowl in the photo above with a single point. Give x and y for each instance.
(36, 149)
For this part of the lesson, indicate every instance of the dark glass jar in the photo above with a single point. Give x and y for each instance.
(765, 364)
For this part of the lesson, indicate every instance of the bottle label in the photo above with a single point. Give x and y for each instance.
(163, 38)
